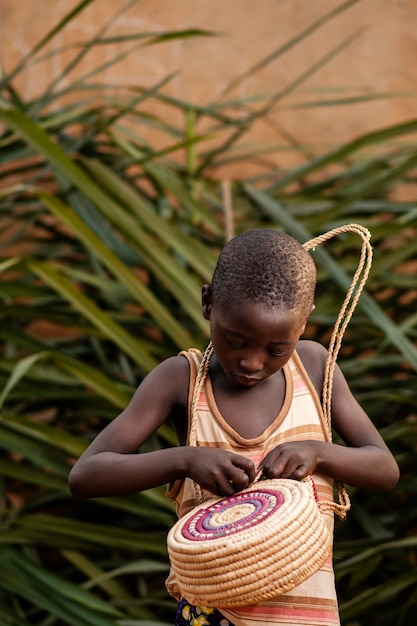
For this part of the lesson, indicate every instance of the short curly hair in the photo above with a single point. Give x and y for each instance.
(267, 267)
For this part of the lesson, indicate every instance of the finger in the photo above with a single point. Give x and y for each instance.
(246, 467)
(261, 472)
(300, 472)
(227, 488)
(281, 468)
(276, 469)
(294, 471)
(239, 479)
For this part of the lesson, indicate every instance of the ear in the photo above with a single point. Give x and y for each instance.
(206, 301)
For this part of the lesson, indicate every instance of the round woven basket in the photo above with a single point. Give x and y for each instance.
(249, 547)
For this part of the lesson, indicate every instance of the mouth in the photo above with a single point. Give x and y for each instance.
(247, 381)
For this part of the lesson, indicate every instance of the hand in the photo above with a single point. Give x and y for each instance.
(294, 460)
(219, 471)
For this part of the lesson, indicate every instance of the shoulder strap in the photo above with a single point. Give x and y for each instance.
(194, 358)
(345, 314)
(349, 304)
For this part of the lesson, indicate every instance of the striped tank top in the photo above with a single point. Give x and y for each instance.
(313, 602)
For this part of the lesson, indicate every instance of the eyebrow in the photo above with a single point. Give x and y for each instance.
(275, 343)
(283, 343)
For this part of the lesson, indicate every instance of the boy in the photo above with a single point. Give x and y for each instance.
(259, 410)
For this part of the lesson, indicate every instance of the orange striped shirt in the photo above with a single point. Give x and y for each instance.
(313, 602)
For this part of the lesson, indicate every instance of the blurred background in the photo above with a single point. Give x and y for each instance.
(134, 141)
(354, 74)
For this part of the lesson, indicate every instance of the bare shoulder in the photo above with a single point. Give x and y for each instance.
(170, 380)
(161, 396)
(176, 366)
(313, 356)
(308, 349)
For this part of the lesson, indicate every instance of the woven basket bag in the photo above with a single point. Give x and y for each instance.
(270, 537)
(249, 547)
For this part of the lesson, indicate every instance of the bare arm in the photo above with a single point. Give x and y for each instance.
(112, 466)
(365, 461)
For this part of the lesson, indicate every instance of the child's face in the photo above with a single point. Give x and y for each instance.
(251, 341)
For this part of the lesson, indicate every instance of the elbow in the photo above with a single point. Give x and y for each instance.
(77, 484)
(396, 476)
(391, 476)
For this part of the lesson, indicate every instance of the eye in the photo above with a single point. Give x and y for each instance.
(234, 343)
(279, 354)
(235, 346)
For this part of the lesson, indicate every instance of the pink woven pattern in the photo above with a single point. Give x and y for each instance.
(231, 515)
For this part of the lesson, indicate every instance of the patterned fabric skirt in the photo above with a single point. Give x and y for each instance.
(187, 614)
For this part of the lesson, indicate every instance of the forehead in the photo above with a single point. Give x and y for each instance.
(251, 320)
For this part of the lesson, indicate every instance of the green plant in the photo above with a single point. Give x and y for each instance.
(105, 244)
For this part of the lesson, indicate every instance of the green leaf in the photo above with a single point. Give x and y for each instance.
(21, 369)
(98, 318)
(61, 598)
(134, 286)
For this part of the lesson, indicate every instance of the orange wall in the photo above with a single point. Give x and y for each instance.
(381, 59)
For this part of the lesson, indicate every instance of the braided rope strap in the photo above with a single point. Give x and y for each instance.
(198, 387)
(345, 314)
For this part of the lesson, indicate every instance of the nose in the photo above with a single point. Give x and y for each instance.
(252, 362)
